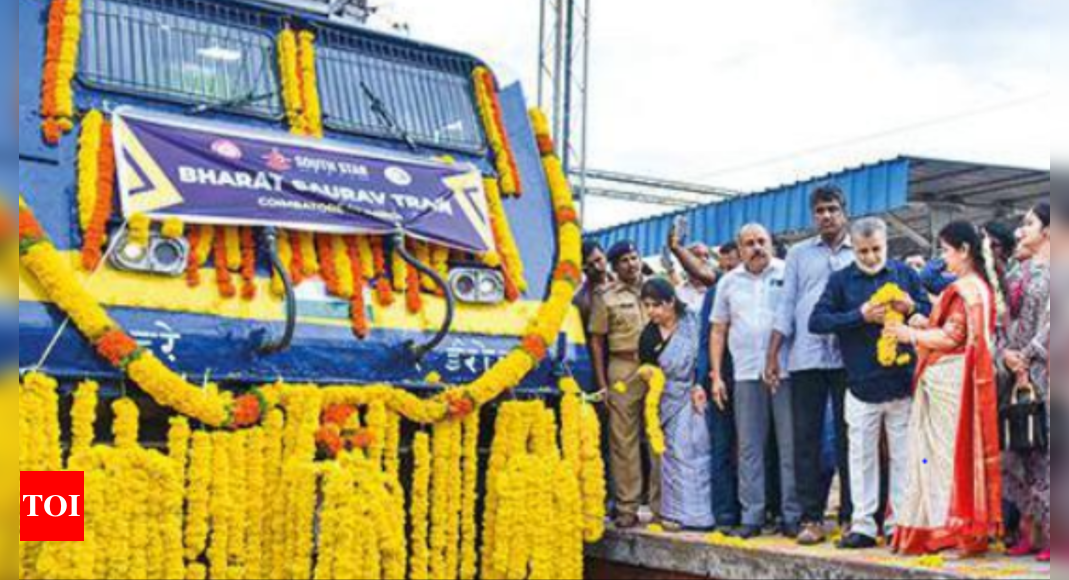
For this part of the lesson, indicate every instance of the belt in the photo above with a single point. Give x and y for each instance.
(625, 356)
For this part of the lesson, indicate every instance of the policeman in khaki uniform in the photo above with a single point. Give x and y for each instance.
(616, 325)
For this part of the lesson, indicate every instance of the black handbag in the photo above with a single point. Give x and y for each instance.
(1024, 421)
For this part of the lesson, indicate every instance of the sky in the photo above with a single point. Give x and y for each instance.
(751, 95)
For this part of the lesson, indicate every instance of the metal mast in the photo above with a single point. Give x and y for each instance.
(564, 79)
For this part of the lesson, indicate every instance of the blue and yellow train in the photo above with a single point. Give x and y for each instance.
(216, 61)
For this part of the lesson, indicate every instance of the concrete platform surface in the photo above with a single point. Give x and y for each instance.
(705, 556)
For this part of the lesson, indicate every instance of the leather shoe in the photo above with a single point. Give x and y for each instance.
(857, 542)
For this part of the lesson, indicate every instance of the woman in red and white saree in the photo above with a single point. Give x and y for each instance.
(954, 494)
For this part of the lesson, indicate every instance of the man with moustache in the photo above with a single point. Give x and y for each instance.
(616, 324)
(879, 397)
(596, 279)
(744, 314)
(815, 362)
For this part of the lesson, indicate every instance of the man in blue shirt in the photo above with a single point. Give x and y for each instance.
(815, 363)
(879, 397)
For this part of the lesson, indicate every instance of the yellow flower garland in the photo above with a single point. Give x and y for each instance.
(199, 486)
(89, 167)
(219, 549)
(173, 229)
(507, 250)
(83, 422)
(593, 477)
(887, 347)
(656, 381)
(469, 531)
(490, 113)
(313, 112)
(48, 453)
(237, 512)
(419, 568)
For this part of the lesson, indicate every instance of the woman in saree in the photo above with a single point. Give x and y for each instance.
(670, 342)
(954, 495)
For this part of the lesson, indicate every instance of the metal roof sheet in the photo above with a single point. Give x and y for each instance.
(904, 189)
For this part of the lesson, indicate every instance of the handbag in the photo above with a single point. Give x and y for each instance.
(1024, 423)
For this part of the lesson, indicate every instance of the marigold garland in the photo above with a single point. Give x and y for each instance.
(367, 257)
(173, 229)
(61, 58)
(493, 123)
(357, 304)
(140, 230)
(297, 265)
(340, 251)
(96, 234)
(289, 68)
(383, 289)
(413, 299)
(310, 85)
(219, 509)
(126, 426)
(248, 264)
(88, 167)
(83, 421)
(223, 279)
(198, 496)
(398, 272)
(420, 511)
(193, 261)
(507, 250)
(887, 349)
(328, 263)
(656, 382)
(300, 90)
(469, 531)
(285, 256)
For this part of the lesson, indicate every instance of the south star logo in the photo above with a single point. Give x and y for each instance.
(277, 162)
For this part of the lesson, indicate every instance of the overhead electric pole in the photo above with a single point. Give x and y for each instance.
(564, 79)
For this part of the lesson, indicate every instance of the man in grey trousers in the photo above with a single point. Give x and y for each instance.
(744, 316)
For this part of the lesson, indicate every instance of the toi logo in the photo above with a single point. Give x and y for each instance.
(52, 506)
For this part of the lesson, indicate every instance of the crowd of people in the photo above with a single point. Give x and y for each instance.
(785, 368)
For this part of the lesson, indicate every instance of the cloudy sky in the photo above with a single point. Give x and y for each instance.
(750, 95)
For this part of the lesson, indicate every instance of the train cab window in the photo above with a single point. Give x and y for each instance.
(206, 54)
(385, 88)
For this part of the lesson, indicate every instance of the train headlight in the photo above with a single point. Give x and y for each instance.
(161, 257)
(477, 286)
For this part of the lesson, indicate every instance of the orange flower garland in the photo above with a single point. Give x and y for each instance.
(413, 299)
(222, 273)
(61, 57)
(117, 348)
(328, 264)
(193, 259)
(494, 125)
(248, 264)
(95, 233)
(357, 305)
(297, 266)
(382, 282)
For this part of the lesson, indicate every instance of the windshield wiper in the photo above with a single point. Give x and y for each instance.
(383, 113)
(237, 102)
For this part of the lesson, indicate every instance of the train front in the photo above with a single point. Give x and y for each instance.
(254, 195)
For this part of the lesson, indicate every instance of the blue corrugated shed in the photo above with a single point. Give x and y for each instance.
(872, 189)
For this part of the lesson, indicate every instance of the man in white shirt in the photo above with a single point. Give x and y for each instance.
(744, 316)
